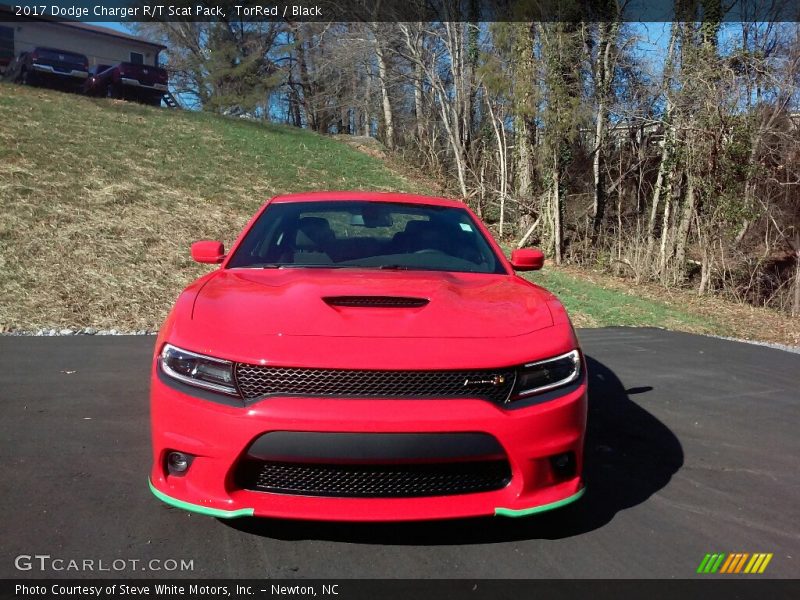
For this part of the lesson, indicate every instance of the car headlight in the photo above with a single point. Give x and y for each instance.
(540, 376)
(198, 370)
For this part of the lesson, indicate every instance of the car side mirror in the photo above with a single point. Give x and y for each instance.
(527, 259)
(207, 251)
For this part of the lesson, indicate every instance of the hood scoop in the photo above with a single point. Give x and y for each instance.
(375, 301)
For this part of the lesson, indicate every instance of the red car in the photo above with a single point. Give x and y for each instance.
(143, 83)
(367, 357)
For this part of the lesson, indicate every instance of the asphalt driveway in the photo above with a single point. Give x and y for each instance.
(693, 448)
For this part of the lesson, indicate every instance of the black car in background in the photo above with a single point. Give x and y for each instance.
(49, 66)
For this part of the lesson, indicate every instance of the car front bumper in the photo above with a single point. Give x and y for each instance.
(218, 437)
(156, 87)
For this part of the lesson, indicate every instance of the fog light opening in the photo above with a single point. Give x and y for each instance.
(563, 465)
(178, 463)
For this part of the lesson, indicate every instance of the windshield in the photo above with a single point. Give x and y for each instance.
(377, 235)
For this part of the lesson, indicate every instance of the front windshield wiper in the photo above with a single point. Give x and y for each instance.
(391, 267)
(295, 266)
(285, 266)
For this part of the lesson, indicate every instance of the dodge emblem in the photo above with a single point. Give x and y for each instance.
(495, 381)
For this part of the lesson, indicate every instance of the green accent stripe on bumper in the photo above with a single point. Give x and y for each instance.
(524, 512)
(203, 510)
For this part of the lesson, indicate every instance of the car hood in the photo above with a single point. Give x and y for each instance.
(292, 302)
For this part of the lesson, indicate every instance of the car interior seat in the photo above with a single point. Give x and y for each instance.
(313, 240)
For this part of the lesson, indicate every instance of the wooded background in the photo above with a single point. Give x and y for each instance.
(661, 152)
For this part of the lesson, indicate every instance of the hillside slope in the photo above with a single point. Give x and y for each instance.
(101, 199)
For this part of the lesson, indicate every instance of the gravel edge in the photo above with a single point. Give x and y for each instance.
(66, 331)
(785, 348)
(52, 332)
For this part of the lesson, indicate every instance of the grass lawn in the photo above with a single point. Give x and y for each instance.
(596, 299)
(596, 306)
(101, 199)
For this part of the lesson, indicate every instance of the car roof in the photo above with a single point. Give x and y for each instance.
(345, 195)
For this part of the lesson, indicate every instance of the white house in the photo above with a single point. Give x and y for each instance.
(101, 45)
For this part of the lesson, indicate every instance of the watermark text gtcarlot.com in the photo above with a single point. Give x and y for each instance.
(46, 562)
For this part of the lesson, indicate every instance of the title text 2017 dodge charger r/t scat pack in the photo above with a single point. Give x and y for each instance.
(367, 357)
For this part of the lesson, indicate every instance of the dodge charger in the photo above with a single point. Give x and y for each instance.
(367, 357)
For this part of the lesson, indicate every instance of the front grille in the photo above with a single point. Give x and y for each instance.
(374, 481)
(255, 381)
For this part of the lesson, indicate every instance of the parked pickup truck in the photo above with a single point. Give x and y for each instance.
(143, 83)
(49, 66)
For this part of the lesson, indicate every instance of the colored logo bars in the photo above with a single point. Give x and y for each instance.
(740, 562)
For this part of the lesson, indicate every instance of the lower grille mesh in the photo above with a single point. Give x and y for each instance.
(257, 381)
(374, 481)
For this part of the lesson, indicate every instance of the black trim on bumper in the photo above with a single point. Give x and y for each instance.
(344, 448)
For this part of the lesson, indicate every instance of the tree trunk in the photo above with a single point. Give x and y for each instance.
(450, 122)
(558, 227)
(705, 273)
(501, 158)
(663, 186)
(665, 166)
(665, 231)
(367, 114)
(620, 196)
(523, 109)
(413, 36)
(388, 117)
(599, 204)
(796, 300)
(305, 81)
(294, 104)
(604, 73)
(682, 235)
(418, 83)
(705, 255)
(524, 239)
(523, 155)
